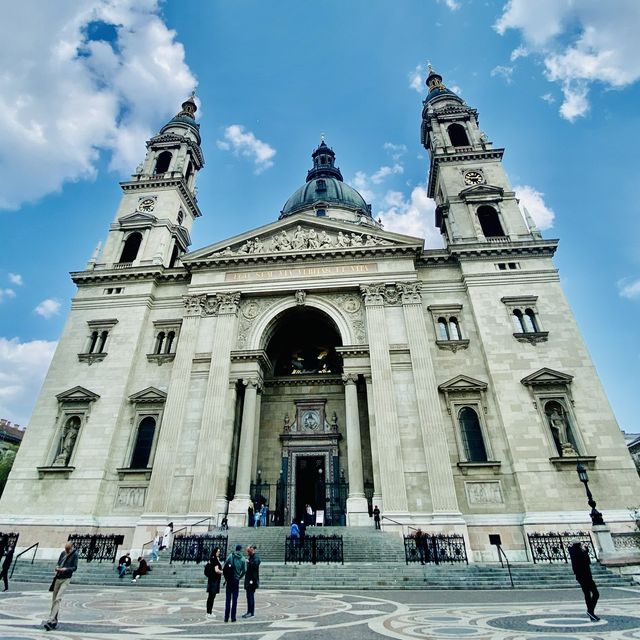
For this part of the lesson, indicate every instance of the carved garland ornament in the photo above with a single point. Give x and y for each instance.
(211, 305)
(392, 294)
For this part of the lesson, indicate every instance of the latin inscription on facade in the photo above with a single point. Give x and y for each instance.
(300, 272)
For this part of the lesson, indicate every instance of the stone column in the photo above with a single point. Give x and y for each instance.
(434, 436)
(256, 437)
(224, 451)
(171, 429)
(375, 460)
(203, 493)
(357, 511)
(240, 503)
(387, 429)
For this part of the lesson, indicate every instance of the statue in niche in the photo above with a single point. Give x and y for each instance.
(67, 441)
(334, 422)
(560, 432)
(286, 427)
(300, 296)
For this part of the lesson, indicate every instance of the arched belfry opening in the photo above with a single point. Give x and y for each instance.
(303, 342)
(301, 459)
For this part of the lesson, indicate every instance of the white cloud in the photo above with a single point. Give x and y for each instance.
(6, 293)
(385, 171)
(503, 72)
(417, 79)
(16, 278)
(48, 308)
(519, 52)
(85, 77)
(581, 43)
(452, 4)
(548, 98)
(396, 151)
(414, 216)
(244, 143)
(532, 199)
(628, 288)
(23, 366)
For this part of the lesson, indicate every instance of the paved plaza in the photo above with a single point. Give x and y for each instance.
(131, 610)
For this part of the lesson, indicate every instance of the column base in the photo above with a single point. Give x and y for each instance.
(238, 514)
(358, 513)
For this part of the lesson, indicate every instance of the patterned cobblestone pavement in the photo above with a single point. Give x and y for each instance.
(125, 612)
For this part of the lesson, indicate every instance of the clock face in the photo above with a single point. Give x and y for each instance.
(147, 204)
(473, 177)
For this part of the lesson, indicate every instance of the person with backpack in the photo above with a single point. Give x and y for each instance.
(581, 565)
(233, 571)
(251, 579)
(213, 571)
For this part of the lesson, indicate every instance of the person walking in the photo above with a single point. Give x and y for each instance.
(142, 570)
(581, 565)
(213, 571)
(294, 533)
(376, 517)
(6, 566)
(166, 536)
(264, 513)
(302, 529)
(67, 564)
(233, 571)
(251, 580)
(155, 545)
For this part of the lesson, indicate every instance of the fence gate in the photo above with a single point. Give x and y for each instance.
(96, 547)
(435, 548)
(554, 547)
(314, 549)
(197, 548)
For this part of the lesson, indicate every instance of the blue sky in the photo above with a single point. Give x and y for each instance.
(555, 82)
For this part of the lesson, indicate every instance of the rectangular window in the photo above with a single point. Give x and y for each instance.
(97, 341)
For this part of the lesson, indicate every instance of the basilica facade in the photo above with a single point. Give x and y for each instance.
(321, 362)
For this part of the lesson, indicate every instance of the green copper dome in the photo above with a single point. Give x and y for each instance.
(324, 185)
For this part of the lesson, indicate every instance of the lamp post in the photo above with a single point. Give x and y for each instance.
(596, 516)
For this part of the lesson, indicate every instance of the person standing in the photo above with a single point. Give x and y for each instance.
(302, 528)
(250, 512)
(294, 533)
(213, 571)
(264, 512)
(251, 580)
(581, 565)
(166, 536)
(6, 565)
(67, 564)
(376, 517)
(153, 556)
(256, 515)
(308, 515)
(233, 571)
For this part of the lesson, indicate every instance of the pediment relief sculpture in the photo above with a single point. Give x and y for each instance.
(302, 239)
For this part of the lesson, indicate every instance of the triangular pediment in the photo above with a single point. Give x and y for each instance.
(303, 234)
(77, 394)
(462, 383)
(148, 395)
(545, 376)
(481, 192)
(137, 219)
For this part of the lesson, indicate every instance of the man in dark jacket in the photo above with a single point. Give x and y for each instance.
(67, 564)
(233, 571)
(251, 579)
(581, 565)
(6, 566)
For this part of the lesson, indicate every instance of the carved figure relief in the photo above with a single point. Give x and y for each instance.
(303, 238)
(131, 496)
(67, 441)
(250, 310)
(350, 303)
(484, 492)
(300, 297)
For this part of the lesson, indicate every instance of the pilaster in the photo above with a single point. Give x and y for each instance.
(373, 436)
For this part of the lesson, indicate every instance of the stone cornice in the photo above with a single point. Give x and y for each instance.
(354, 351)
(158, 274)
(260, 356)
(490, 251)
(160, 182)
(166, 139)
(302, 380)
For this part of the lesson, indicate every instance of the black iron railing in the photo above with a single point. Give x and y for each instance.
(33, 557)
(197, 548)
(11, 539)
(314, 549)
(97, 546)
(554, 547)
(435, 548)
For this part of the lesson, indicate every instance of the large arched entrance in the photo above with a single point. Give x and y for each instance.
(301, 443)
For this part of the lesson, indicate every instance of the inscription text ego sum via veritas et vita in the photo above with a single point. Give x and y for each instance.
(300, 272)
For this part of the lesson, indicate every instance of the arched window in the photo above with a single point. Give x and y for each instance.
(131, 247)
(180, 217)
(102, 342)
(518, 322)
(472, 435)
(529, 318)
(159, 342)
(443, 329)
(171, 336)
(174, 257)
(93, 341)
(189, 172)
(458, 135)
(489, 222)
(144, 442)
(163, 162)
(454, 329)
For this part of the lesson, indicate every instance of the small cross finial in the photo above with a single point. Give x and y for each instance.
(322, 137)
(429, 67)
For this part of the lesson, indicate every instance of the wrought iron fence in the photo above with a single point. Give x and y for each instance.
(626, 541)
(11, 538)
(97, 546)
(197, 548)
(554, 547)
(314, 549)
(435, 548)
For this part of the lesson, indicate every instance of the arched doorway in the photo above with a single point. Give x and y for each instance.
(302, 417)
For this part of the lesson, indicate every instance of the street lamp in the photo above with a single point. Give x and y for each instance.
(596, 516)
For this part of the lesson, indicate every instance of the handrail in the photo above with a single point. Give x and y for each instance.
(173, 533)
(396, 522)
(21, 553)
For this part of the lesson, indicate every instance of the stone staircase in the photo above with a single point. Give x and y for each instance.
(373, 560)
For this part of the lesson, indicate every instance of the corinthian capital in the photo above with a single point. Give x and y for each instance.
(194, 305)
(410, 292)
(373, 294)
(228, 302)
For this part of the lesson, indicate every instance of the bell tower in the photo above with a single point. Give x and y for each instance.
(153, 223)
(475, 202)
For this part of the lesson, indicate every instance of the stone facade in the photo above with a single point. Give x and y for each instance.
(452, 389)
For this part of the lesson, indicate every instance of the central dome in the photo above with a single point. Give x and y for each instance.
(325, 186)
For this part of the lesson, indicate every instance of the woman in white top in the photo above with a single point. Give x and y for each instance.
(166, 536)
